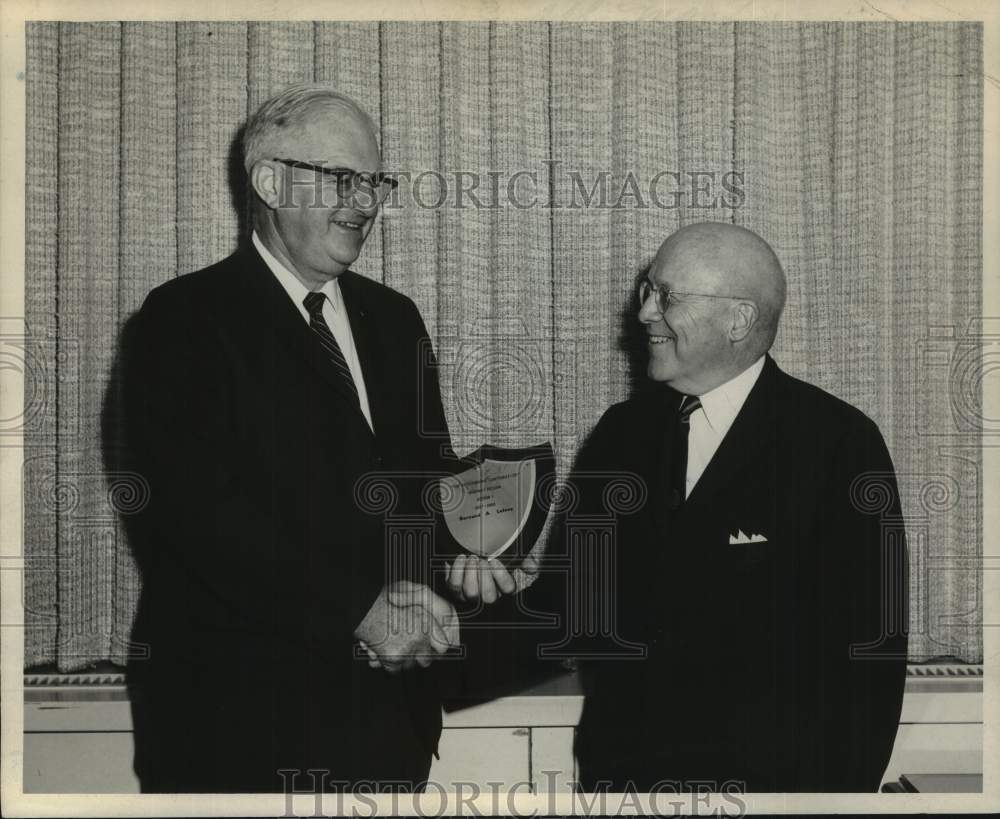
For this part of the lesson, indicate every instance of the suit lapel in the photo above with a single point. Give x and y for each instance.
(665, 417)
(366, 341)
(742, 448)
(263, 294)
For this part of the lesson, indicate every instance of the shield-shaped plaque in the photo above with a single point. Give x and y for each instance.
(496, 502)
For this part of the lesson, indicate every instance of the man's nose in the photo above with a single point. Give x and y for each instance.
(364, 200)
(649, 313)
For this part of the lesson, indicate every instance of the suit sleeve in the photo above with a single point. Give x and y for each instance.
(220, 528)
(855, 629)
(417, 447)
(433, 434)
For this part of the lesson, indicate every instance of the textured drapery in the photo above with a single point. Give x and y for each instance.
(858, 149)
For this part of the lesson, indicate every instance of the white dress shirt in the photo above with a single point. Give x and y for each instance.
(710, 423)
(333, 311)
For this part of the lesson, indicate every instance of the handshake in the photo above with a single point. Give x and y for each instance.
(410, 625)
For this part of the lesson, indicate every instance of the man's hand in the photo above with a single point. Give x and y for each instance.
(405, 594)
(408, 625)
(472, 578)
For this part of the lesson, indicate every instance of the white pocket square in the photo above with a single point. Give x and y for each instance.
(743, 537)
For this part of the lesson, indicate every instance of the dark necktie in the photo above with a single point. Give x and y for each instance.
(679, 451)
(314, 304)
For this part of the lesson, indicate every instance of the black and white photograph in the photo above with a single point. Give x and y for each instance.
(567, 410)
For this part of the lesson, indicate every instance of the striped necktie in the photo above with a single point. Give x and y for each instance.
(314, 304)
(679, 450)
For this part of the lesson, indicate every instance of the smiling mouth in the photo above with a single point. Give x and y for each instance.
(347, 225)
(660, 339)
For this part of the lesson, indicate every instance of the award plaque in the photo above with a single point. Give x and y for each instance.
(496, 502)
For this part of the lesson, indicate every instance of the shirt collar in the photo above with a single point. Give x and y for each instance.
(723, 404)
(296, 290)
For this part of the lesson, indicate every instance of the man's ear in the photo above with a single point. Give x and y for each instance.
(744, 318)
(267, 183)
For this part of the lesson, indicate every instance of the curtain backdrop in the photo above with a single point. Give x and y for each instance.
(859, 149)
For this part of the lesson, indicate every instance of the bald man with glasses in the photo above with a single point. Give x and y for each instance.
(752, 612)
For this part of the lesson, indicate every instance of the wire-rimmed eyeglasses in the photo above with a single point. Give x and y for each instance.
(665, 295)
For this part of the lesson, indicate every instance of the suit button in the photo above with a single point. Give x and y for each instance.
(378, 460)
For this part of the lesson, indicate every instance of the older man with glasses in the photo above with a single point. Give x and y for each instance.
(258, 392)
(745, 625)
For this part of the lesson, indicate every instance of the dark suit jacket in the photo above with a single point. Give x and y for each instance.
(775, 666)
(258, 558)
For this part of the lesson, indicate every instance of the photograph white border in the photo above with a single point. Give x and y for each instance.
(12, 257)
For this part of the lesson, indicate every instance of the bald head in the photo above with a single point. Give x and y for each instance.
(728, 259)
(727, 293)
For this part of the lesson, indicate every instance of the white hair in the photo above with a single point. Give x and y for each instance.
(291, 108)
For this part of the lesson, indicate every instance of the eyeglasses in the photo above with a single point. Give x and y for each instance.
(665, 296)
(349, 181)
